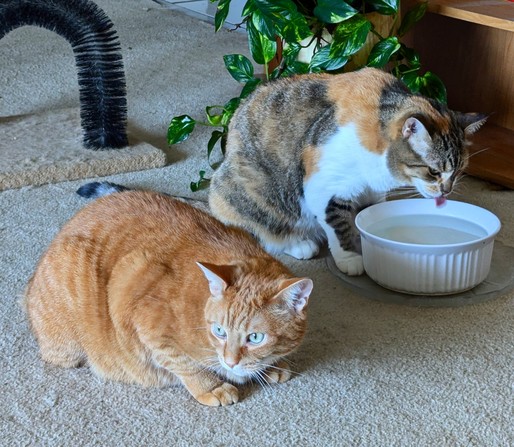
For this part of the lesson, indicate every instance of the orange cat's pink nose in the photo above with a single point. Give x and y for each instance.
(230, 362)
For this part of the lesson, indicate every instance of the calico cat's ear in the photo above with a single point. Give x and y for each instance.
(219, 277)
(417, 135)
(295, 292)
(471, 122)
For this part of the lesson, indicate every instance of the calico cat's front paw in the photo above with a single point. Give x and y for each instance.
(350, 263)
(305, 249)
(225, 394)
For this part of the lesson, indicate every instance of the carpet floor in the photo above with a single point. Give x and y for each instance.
(370, 372)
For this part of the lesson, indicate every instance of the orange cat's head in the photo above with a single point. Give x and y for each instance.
(251, 326)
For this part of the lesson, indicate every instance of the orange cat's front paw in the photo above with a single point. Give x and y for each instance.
(225, 394)
(278, 373)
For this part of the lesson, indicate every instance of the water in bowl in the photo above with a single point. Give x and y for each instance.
(426, 229)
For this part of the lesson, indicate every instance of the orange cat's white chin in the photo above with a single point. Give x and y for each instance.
(237, 374)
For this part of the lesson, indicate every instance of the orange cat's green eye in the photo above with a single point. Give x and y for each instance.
(256, 338)
(218, 330)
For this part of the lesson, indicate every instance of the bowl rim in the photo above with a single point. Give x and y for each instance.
(438, 210)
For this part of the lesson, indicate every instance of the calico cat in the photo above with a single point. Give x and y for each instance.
(305, 154)
(147, 289)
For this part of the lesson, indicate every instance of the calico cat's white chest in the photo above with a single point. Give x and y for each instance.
(348, 169)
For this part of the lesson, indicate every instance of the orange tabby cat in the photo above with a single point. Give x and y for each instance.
(147, 289)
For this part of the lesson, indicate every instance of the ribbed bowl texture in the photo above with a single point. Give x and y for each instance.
(416, 247)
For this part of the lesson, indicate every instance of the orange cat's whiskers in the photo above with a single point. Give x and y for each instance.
(209, 364)
(276, 368)
(260, 378)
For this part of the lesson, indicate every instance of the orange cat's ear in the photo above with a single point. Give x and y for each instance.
(417, 135)
(219, 277)
(295, 292)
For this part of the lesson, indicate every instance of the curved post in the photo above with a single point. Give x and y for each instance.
(101, 77)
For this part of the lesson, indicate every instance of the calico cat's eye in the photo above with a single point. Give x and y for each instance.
(218, 330)
(434, 172)
(255, 338)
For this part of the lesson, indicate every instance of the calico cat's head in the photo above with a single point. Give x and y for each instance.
(429, 153)
(253, 322)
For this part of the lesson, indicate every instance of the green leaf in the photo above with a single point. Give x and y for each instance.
(411, 57)
(229, 108)
(382, 51)
(180, 128)
(214, 118)
(239, 67)
(295, 28)
(294, 68)
(215, 136)
(433, 87)
(412, 80)
(277, 18)
(333, 11)
(249, 87)
(265, 24)
(291, 51)
(350, 36)
(428, 85)
(221, 13)
(386, 7)
(231, 105)
(411, 17)
(201, 183)
(322, 60)
(249, 8)
(263, 50)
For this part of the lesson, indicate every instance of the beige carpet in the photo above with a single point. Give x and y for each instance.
(370, 372)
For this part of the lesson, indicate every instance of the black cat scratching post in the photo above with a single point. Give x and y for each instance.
(86, 140)
(101, 78)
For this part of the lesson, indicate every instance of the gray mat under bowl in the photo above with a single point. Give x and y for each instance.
(499, 281)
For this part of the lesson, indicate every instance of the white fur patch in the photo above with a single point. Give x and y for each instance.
(348, 170)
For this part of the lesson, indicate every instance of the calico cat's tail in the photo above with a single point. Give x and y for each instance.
(94, 190)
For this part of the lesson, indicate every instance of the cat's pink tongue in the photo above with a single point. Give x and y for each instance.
(440, 201)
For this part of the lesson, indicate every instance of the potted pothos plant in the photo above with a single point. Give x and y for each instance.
(289, 37)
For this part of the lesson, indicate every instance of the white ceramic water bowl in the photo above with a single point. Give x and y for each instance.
(413, 246)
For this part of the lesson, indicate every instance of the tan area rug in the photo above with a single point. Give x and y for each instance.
(45, 148)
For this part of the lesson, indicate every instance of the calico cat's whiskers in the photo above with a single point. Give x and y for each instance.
(460, 187)
(404, 193)
(471, 155)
